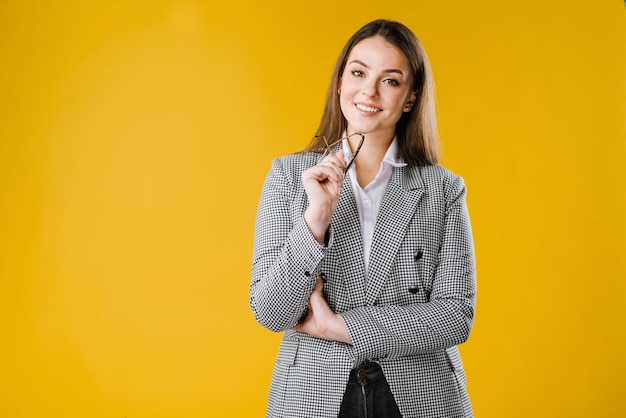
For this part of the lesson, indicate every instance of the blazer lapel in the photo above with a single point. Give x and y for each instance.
(349, 247)
(398, 207)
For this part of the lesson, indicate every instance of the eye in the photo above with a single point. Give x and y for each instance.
(358, 73)
(391, 82)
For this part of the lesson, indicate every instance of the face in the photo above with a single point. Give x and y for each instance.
(375, 87)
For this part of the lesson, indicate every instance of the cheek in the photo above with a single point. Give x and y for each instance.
(346, 95)
(400, 100)
(344, 103)
(349, 84)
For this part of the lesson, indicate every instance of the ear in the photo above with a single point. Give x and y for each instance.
(339, 85)
(409, 104)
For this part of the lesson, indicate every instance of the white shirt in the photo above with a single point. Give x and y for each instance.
(368, 199)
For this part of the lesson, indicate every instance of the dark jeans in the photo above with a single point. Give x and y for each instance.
(368, 395)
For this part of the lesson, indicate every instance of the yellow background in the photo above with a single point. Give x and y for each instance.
(134, 140)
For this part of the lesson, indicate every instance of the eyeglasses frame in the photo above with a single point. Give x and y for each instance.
(329, 146)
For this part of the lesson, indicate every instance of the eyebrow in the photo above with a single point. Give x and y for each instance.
(388, 70)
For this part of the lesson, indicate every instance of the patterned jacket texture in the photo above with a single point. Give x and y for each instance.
(416, 307)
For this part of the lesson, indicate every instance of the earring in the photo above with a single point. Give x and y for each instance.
(407, 108)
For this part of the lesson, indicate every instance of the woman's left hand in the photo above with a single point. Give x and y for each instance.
(321, 321)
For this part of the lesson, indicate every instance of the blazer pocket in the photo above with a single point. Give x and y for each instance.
(287, 352)
(456, 364)
(284, 361)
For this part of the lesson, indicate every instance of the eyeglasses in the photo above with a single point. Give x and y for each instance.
(329, 147)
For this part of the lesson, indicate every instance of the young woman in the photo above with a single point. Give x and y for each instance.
(363, 250)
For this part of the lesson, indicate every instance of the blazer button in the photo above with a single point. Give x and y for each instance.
(418, 254)
(307, 273)
(413, 289)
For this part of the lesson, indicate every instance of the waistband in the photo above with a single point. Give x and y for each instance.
(367, 372)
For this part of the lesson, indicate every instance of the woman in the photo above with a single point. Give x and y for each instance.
(363, 250)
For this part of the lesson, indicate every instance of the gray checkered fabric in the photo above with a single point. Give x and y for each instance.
(416, 307)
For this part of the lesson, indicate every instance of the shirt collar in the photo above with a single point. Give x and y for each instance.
(391, 156)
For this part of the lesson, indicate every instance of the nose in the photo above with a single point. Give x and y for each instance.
(370, 88)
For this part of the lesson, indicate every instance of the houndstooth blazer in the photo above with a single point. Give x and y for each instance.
(416, 307)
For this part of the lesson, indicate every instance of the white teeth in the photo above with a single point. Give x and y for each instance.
(367, 108)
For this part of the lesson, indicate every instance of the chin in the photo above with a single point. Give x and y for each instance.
(364, 129)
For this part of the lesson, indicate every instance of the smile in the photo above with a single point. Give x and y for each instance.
(367, 108)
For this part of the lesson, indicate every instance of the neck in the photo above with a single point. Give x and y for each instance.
(367, 163)
(374, 147)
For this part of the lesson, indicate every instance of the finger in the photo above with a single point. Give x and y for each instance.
(317, 299)
(339, 156)
(324, 172)
(319, 284)
(342, 157)
(335, 170)
(338, 160)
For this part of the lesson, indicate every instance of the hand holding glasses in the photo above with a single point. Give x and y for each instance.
(322, 184)
(329, 147)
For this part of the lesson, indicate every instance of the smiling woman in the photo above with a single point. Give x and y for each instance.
(370, 274)
(134, 140)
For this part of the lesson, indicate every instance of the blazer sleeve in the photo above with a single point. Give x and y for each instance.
(286, 256)
(446, 319)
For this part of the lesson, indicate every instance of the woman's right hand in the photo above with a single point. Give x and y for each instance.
(322, 184)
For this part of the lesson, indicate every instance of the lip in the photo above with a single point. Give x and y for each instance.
(367, 108)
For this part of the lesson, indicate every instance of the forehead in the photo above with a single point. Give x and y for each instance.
(378, 51)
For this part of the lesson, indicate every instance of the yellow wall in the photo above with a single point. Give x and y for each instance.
(135, 137)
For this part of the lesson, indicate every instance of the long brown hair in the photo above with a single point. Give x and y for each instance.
(418, 140)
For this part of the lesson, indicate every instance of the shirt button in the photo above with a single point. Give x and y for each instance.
(366, 202)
